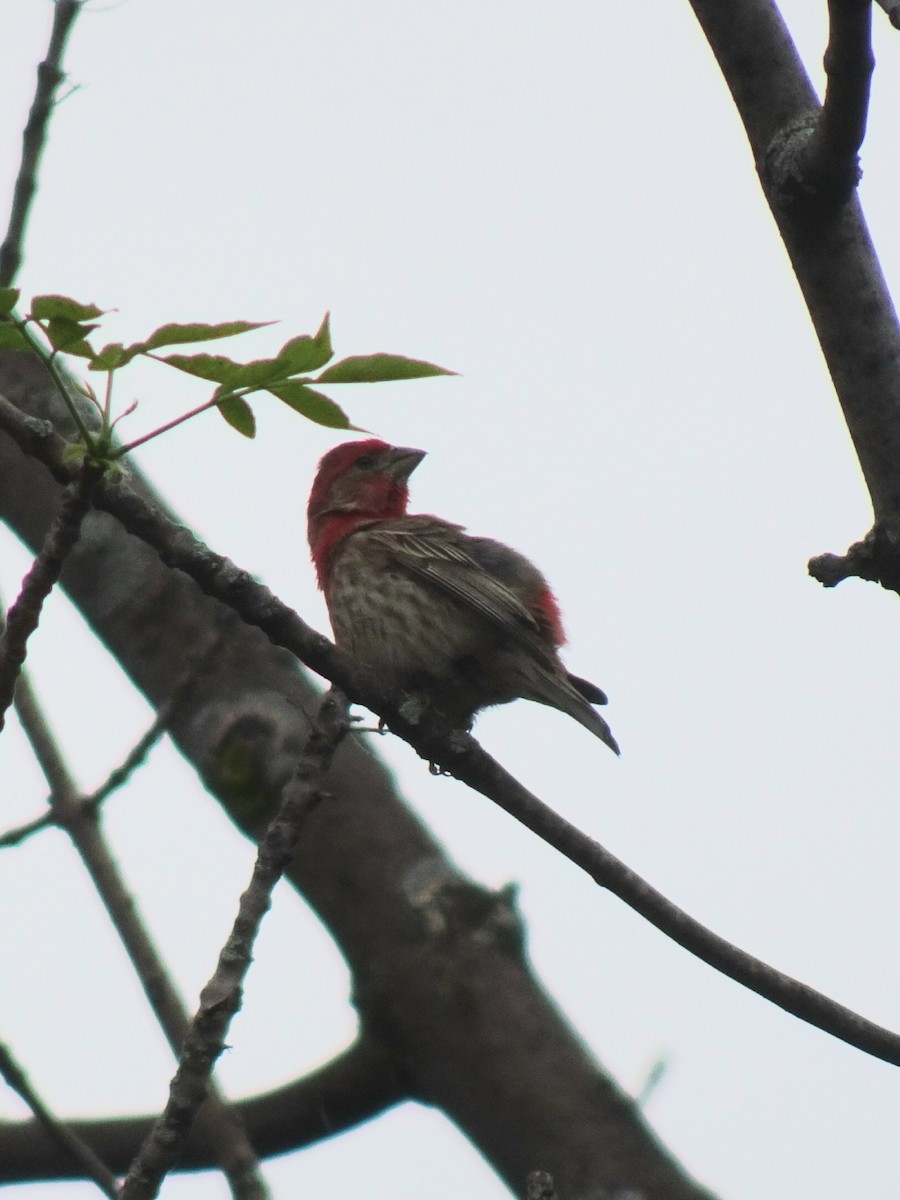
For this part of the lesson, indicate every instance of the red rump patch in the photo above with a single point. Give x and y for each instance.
(549, 617)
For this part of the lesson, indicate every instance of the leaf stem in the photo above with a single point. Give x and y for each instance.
(49, 361)
(214, 402)
(147, 437)
(107, 403)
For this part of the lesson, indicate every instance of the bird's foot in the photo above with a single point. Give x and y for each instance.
(381, 727)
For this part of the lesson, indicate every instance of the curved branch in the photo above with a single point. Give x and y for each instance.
(356, 1086)
(473, 766)
(459, 754)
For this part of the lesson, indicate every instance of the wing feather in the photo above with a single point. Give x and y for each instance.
(448, 564)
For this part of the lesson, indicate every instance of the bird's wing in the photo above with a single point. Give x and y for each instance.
(449, 564)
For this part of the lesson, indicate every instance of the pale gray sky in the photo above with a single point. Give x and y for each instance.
(559, 203)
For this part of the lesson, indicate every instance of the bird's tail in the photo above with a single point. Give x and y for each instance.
(591, 719)
(589, 690)
(573, 696)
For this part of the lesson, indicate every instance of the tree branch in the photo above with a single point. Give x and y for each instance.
(49, 76)
(119, 775)
(892, 8)
(461, 755)
(825, 236)
(223, 1130)
(876, 558)
(221, 998)
(849, 63)
(22, 618)
(473, 766)
(353, 1088)
(72, 1147)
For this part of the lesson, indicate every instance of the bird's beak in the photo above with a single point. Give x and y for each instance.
(401, 461)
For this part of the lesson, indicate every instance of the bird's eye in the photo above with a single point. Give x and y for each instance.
(366, 461)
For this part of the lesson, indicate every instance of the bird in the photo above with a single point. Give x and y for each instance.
(446, 622)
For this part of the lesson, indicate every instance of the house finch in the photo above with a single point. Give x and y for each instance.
(447, 622)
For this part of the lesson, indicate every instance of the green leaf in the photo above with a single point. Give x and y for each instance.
(69, 336)
(110, 357)
(12, 338)
(262, 371)
(379, 368)
(307, 353)
(180, 335)
(116, 355)
(225, 371)
(298, 354)
(234, 375)
(9, 298)
(312, 404)
(51, 308)
(215, 367)
(239, 415)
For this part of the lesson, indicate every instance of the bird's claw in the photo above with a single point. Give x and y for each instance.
(381, 727)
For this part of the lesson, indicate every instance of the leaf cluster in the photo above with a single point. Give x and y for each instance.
(66, 326)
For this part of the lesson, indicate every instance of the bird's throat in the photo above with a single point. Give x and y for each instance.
(325, 534)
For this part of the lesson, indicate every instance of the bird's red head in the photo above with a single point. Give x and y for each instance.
(356, 482)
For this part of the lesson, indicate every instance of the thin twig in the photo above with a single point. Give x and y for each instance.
(25, 701)
(20, 833)
(222, 995)
(116, 778)
(220, 1125)
(49, 76)
(652, 1081)
(469, 763)
(461, 754)
(22, 618)
(71, 1145)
